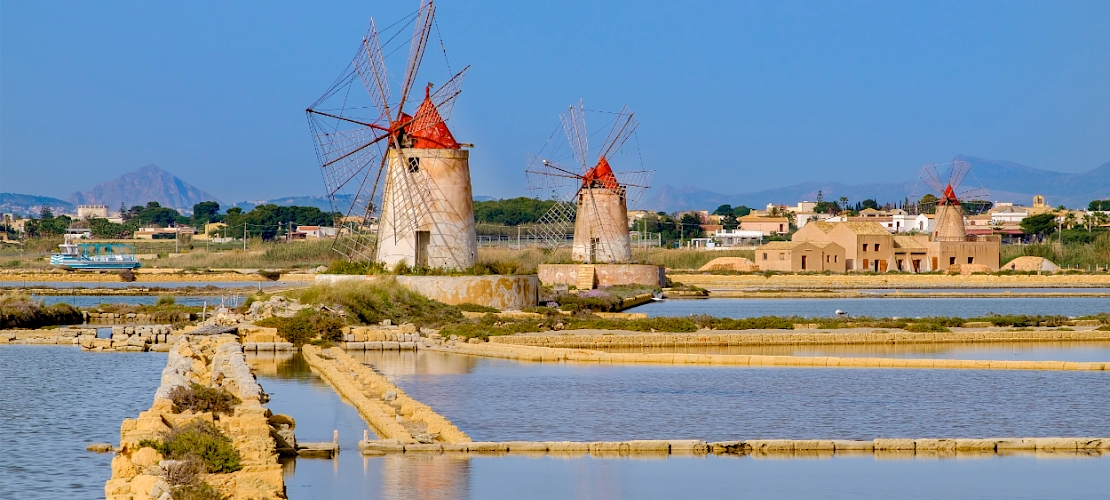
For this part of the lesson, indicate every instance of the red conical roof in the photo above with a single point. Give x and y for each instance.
(601, 175)
(428, 129)
(950, 196)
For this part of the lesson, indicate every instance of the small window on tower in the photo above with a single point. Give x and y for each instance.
(876, 247)
(764, 256)
(971, 260)
(414, 165)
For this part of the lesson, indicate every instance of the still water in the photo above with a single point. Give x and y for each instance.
(318, 410)
(499, 400)
(114, 282)
(877, 307)
(54, 401)
(84, 301)
(1013, 351)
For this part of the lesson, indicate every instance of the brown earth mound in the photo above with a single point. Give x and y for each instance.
(729, 264)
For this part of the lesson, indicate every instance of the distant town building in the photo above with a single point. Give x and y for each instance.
(92, 211)
(766, 225)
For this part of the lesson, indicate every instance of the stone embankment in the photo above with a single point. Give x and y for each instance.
(783, 448)
(716, 282)
(140, 472)
(556, 355)
(592, 339)
(47, 336)
(392, 414)
(108, 318)
(149, 275)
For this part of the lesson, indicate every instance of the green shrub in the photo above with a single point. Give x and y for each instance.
(199, 490)
(199, 398)
(201, 440)
(165, 300)
(19, 311)
(374, 301)
(926, 327)
(306, 325)
(477, 308)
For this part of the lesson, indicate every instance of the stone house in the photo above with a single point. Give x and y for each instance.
(766, 225)
(868, 246)
(795, 256)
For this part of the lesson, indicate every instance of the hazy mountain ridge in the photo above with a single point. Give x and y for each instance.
(1005, 181)
(29, 205)
(149, 183)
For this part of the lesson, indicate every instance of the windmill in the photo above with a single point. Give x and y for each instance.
(397, 174)
(589, 196)
(948, 224)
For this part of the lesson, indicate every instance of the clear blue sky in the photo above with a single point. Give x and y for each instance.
(732, 96)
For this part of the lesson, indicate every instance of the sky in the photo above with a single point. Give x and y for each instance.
(731, 96)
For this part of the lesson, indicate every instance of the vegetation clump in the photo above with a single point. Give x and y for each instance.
(19, 311)
(307, 326)
(165, 310)
(468, 307)
(381, 299)
(201, 441)
(199, 398)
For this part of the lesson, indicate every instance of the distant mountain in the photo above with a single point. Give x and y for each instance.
(149, 183)
(1006, 181)
(28, 205)
(320, 202)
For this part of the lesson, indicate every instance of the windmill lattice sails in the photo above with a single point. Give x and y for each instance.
(401, 179)
(588, 195)
(948, 224)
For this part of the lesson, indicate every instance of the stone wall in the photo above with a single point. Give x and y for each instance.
(777, 448)
(497, 291)
(139, 473)
(606, 274)
(392, 414)
(48, 336)
(716, 338)
(555, 355)
(819, 281)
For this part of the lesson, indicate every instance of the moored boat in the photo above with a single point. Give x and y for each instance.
(94, 256)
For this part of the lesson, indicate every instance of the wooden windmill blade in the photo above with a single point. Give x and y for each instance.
(635, 184)
(959, 170)
(547, 180)
(623, 127)
(929, 175)
(370, 65)
(421, 31)
(574, 124)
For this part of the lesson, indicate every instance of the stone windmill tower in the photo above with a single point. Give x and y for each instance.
(948, 224)
(590, 196)
(402, 179)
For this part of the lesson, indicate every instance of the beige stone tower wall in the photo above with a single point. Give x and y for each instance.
(601, 227)
(443, 178)
(949, 225)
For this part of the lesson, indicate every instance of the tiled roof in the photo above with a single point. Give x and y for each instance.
(869, 228)
(908, 242)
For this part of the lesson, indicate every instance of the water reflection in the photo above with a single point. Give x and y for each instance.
(1014, 351)
(506, 400)
(878, 307)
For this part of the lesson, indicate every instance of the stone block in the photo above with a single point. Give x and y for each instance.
(486, 446)
(355, 346)
(688, 446)
(407, 346)
(568, 446)
(385, 446)
(770, 445)
(391, 346)
(894, 445)
(146, 457)
(813, 445)
(373, 346)
(649, 446)
(423, 448)
(1057, 444)
(975, 445)
(123, 468)
(526, 446)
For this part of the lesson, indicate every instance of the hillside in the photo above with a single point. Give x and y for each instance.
(1006, 181)
(149, 183)
(27, 205)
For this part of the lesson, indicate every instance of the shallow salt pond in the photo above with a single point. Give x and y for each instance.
(1012, 351)
(499, 400)
(54, 401)
(318, 410)
(966, 307)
